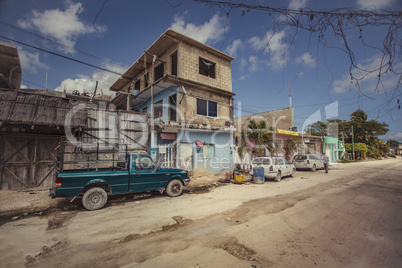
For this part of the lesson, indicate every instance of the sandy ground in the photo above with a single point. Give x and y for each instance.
(347, 218)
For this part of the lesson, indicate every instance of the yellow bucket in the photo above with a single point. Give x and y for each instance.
(239, 177)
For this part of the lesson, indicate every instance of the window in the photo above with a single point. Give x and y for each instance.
(144, 163)
(137, 85)
(266, 162)
(208, 151)
(206, 68)
(158, 108)
(173, 60)
(146, 80)
(207, 108)
(158, 72)
(172, 108)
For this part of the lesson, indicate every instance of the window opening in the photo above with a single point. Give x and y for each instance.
(158, 72)
(137, 85)
(206, 67)
(146, 76)
(173, 59)
(172, 108)
(158, 106)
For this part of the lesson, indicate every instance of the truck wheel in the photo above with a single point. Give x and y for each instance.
(174, 188)
(95, 198)
(278, 176)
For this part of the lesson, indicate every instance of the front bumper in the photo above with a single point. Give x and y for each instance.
(186, 181)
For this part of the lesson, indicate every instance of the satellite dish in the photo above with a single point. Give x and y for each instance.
(199, 143)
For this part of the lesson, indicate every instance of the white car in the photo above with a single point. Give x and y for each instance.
(274, 167)
(308, 161)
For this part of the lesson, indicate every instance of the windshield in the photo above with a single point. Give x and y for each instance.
(300, 157)
(257, 161)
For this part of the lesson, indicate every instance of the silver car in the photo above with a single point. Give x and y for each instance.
(274, 167)
(308, 161)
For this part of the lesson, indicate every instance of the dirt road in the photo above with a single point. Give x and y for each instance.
(347, 218)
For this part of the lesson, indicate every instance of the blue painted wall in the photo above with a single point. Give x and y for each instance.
(222, 160)
(164, 96)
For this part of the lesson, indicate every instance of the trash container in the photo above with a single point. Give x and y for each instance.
(259, 176)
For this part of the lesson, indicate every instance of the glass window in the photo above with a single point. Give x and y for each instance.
(207, 108)
(212, 109)
(300, 157)
(257, 161)
(266, 162)
(144, 163)
(202, 107)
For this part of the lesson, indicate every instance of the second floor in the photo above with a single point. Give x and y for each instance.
(174, 54)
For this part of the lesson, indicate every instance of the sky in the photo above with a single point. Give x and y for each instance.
(112, 34)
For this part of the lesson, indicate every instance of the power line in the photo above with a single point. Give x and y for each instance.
(61, 44)
(65, 57)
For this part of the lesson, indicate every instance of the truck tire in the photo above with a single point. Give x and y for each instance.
(174, 188)
(95, 198)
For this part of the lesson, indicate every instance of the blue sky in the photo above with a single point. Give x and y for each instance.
(119, 33)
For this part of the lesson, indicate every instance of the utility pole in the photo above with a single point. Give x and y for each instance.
(353, 144)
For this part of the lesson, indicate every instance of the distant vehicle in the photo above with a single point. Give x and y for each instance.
(275, 167)
(136, 173)
(308, 162)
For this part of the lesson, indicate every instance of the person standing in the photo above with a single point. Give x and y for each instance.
(325, 159)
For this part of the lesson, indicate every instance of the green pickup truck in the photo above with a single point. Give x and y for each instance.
(137, 173)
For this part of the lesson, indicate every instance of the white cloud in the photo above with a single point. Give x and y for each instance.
(87, 83)
(368, 79)
(273, 44)
(297, 4)
(397, 137)
(64, 26)
(306, 59)
(253, 61)
(251, 64)
(209, 32)
(378, 4)
(30, 61)
(234, 47)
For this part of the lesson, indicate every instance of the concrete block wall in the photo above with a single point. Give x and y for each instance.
(189, 67)
(278, 119)
(188, 107)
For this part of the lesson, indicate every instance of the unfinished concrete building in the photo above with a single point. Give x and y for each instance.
(186, 87)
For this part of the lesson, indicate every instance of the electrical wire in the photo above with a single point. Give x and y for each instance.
(61, 44)
(65, 57)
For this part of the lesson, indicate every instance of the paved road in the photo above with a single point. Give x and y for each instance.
(347, 218)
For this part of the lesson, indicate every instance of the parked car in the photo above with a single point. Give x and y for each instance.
(308, 162)
(275, 167)
(137, 173)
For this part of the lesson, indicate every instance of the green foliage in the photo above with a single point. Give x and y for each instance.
(318, 129)
(393, 143)
(391, 155)
(359, 147)
(256, 133)
(289, 147)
